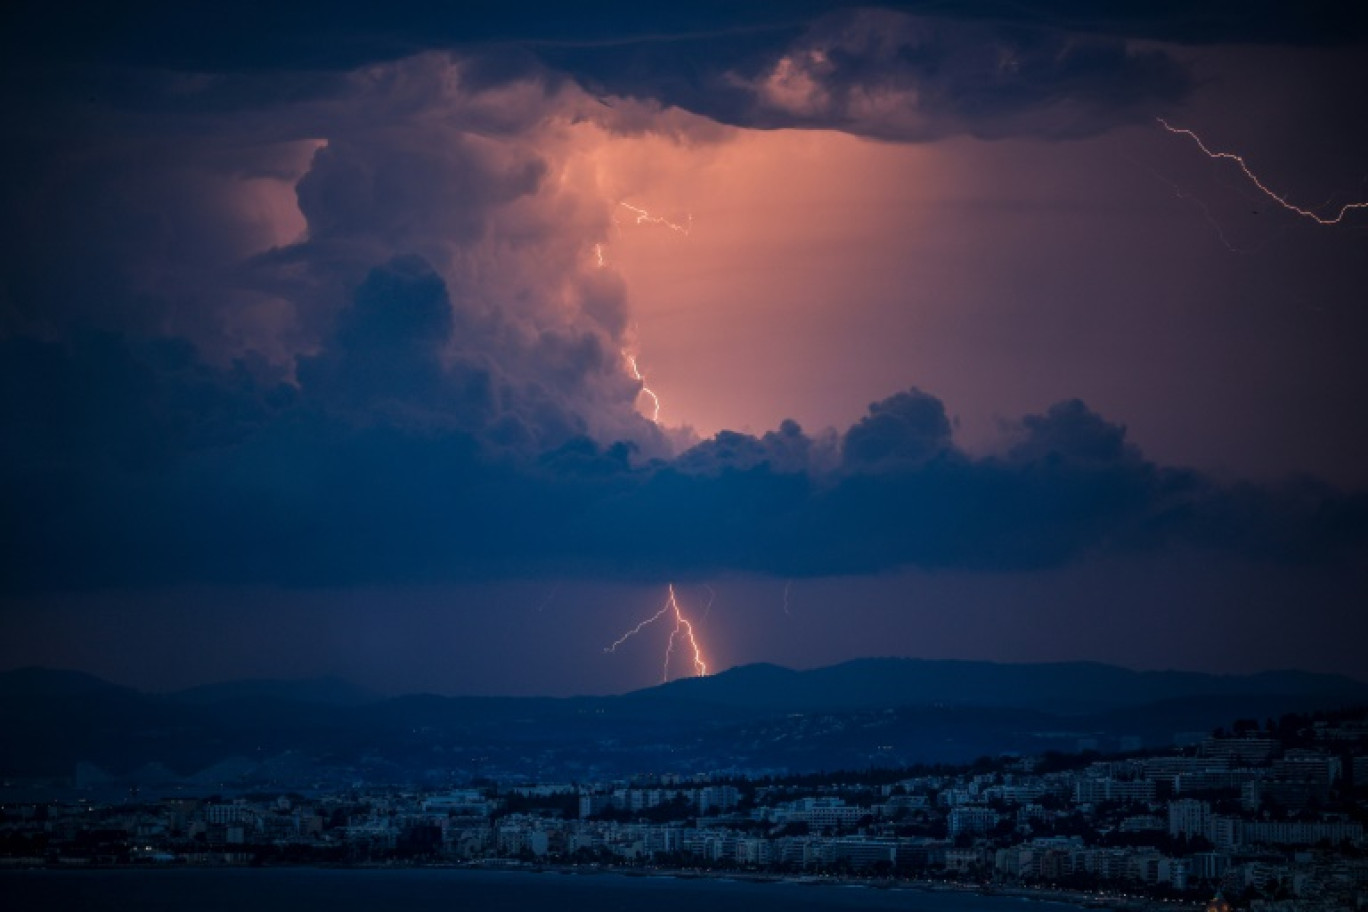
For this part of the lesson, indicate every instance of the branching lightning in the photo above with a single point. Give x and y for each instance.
(1263, 188)
(655, 400)
(683, 628)
(644, 217)
(1201, 206)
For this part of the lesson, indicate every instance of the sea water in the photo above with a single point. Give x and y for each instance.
(456, 890)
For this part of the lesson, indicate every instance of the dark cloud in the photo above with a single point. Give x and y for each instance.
(386, 352)
(787, 450)
(372, 185)
(898, 70)
(258, 35)
(886, 74)
(132, 463)
(907, 429)
(1070, 431)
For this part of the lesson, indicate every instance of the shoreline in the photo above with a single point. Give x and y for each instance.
(1078, 899)
(1085, 900)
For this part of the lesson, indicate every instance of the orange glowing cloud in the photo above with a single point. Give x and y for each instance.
(750, 317)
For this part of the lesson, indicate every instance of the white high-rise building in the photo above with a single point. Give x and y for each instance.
(1189, 818)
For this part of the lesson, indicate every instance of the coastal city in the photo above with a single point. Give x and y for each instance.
(1266, 816)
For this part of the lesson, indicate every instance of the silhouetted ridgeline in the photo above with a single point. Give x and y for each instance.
(72, 728)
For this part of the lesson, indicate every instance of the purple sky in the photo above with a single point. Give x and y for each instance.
(316, 342)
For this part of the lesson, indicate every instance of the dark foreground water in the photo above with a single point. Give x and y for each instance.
(336, 890)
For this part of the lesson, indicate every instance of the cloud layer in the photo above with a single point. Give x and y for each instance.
(134, 463)
(894, 76)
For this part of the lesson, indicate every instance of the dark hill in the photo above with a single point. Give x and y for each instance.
(328, 690)
(1062, 687)
(859, 713)
(36, 683)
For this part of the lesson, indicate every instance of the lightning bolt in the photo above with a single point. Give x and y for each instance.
(683, 628)
(1203, 207)
(644, 217)
(712, 597)
(655, 400)
(598, 256)
(1254, 179)
(788, 584)
(549, 596)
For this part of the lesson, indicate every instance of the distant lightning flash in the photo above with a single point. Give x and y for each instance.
(549, 596)
(712, 597)
(682, 627)
(655, 400)
(1203, 207)
(644, 217)
(1253, 178)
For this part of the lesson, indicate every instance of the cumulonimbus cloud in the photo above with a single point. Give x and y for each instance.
(357, 332)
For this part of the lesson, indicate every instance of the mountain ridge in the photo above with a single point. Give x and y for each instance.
(1051, 686)
(68, 727)
(860, 682)
(328, 689)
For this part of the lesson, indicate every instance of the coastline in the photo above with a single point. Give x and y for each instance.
(1122, 902)
(1118, 902)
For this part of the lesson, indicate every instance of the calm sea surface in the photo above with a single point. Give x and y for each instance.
(339, 890)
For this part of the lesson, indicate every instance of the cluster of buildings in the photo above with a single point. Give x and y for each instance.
(1273, 818)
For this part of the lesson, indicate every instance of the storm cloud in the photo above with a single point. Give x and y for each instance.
(134, 463)
(305, 312)
(894, 76)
